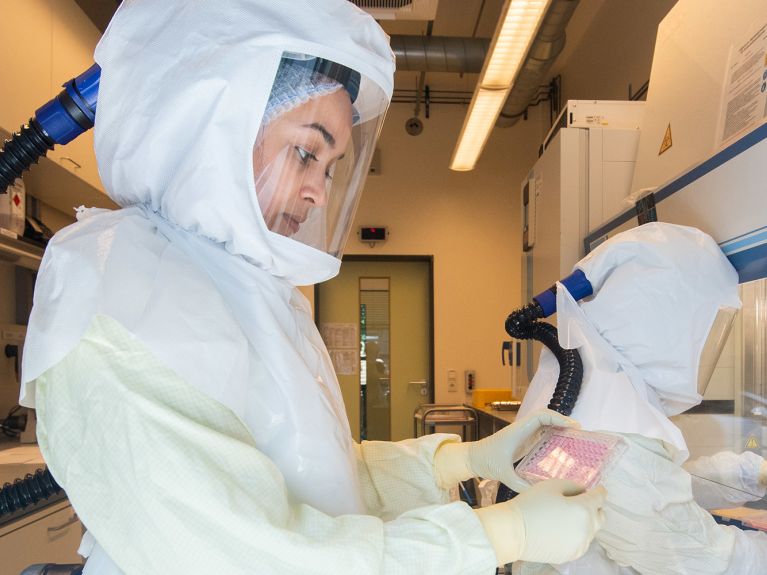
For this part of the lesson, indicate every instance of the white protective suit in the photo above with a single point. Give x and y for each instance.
(187, 287)
(657, 291)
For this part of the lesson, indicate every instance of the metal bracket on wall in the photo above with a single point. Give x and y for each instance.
(645, 209)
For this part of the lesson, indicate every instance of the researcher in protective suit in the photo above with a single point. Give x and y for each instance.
(185, 399)
(664, 297)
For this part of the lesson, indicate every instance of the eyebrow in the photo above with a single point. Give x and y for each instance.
(327, 136)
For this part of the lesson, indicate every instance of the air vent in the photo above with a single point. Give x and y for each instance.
(399, 9)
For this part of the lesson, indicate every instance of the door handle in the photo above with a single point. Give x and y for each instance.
(423, 386)
(505, 352)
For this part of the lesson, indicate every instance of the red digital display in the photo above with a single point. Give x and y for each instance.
(372, 234)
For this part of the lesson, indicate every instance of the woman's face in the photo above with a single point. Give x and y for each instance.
(294, 158)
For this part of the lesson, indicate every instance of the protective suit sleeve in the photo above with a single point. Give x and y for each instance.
(749, 555)
(652, 522)
(726, 479)
(169, 481)
(399, 476)
(593, 562)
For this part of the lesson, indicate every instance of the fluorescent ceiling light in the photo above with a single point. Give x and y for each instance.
(483, 112)
(513, 36)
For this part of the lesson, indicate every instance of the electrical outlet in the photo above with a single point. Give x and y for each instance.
(470, 379)
(451, 382)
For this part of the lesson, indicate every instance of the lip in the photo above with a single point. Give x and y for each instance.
(293, 222)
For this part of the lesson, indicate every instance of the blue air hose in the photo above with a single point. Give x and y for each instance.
(59, 121)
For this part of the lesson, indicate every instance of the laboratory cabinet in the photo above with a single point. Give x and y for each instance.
(47, 42)
(51, 535)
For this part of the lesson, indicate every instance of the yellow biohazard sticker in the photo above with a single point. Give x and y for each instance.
(752, 443)
(667, 142)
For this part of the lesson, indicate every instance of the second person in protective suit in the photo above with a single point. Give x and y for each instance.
(664, 299)
(186, 401)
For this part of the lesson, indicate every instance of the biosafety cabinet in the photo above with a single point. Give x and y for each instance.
(582, 178)
(701, 162)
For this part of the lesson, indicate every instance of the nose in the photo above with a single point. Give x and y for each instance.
(314, 187)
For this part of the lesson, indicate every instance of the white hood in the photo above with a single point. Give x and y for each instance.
(183, 88)
(657, 291)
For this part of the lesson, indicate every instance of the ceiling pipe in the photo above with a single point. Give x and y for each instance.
(547, 45)
(439, 53)
(467, 56)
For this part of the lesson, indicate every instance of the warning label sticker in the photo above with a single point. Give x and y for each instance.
(667, 142)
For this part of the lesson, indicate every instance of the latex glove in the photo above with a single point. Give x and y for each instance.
(493, 457)
(548, 523)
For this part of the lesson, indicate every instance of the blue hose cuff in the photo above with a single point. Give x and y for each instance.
(576, 283)
(548, 301)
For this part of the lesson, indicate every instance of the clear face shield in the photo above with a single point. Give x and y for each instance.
(714, 345)
(313, 149)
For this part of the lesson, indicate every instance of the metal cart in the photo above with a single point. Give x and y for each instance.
(428, 416)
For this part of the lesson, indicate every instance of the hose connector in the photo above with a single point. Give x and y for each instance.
(59, 121)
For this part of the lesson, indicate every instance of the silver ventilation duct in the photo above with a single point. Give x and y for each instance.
(467, 55)
(439, 53)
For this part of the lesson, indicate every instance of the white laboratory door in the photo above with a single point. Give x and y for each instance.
(376, 320)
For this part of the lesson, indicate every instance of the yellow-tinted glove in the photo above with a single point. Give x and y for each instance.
(763, 473)
(493, 457)
(548, 523)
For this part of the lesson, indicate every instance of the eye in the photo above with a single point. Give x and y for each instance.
(304, 155)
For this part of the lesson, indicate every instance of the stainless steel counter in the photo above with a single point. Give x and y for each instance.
(491, 420)
(507, 416)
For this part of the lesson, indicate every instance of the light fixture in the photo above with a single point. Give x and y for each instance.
(513, 36)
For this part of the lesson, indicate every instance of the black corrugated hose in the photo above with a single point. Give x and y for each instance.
(23, 149)
(28, 491)
(524, 324)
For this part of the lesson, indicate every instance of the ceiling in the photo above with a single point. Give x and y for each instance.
(462, 18)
